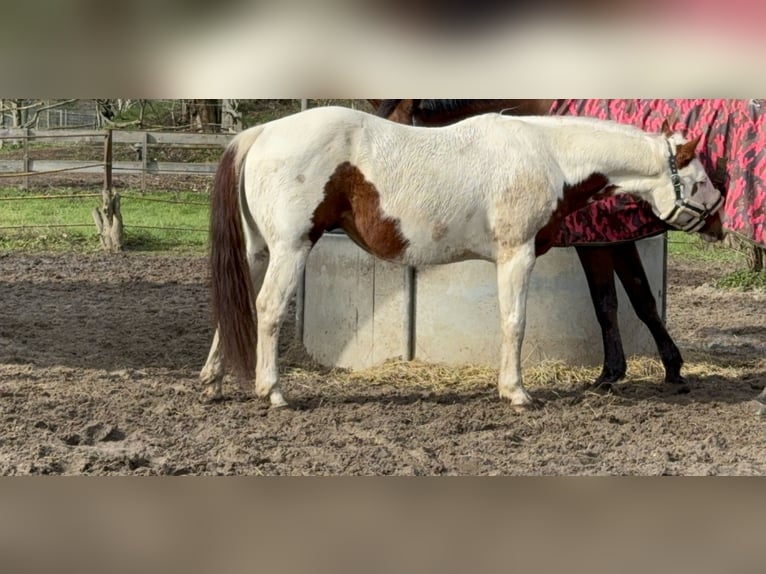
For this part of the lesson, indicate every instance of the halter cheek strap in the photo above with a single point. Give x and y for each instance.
(687, 214)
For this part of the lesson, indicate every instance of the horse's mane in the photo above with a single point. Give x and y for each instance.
(442, 112)
(387, 107)
(447, 105)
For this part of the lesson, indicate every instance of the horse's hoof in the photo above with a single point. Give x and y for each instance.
(604, 387)
(679, 384)
(761, 402)
(532, 405)
(277, 400)
(211, 395)
(605, 381)
(676, 380)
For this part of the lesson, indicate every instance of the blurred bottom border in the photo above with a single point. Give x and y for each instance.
(382, 524)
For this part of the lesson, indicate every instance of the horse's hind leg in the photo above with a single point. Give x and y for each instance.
(279, 285)
(213, 372)
(513, 272)
(598, 265)
(627, 264)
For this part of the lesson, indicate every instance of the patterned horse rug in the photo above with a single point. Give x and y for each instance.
(732, 149)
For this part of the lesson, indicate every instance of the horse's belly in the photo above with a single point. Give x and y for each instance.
(448, 246)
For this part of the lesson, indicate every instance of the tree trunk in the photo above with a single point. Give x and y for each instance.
(108, 221)
(14, 107)
(204, 115)
(108, 218)
(231, 118)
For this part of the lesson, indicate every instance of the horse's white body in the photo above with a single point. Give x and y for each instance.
(482, 188)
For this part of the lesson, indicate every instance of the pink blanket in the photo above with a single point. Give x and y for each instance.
(732, 147)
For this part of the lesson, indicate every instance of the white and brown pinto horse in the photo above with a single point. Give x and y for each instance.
(478, 189)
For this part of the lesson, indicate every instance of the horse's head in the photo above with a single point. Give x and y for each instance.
(693, 202)
(399, 111)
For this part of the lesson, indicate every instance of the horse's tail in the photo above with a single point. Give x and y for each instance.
(231, 291)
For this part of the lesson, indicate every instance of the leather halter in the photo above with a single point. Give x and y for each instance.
(687, 214)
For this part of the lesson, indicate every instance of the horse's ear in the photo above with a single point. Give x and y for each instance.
(686, 152)
(666, 129)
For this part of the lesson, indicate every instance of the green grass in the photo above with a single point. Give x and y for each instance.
(743, 280)
(692, 247)
(137, 214)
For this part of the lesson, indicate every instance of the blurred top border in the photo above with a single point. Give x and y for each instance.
(339, 49)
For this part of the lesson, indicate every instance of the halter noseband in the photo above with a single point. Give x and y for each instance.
(687, 214)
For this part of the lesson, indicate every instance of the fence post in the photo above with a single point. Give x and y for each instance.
(144, 160)
(108, 218)
(108, 160)
(26, 158)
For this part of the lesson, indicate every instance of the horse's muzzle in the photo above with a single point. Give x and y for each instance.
(690, 215)
(712, 230)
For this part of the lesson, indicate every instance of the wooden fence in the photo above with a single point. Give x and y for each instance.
(140, 141)
(107, 216)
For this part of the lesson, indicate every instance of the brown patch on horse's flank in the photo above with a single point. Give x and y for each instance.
(301, 178)
(595, 186)
(353, 204)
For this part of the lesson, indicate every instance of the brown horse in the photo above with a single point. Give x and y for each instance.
(600, 263)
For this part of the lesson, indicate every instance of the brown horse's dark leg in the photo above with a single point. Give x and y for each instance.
(599, 271)
(628, 266)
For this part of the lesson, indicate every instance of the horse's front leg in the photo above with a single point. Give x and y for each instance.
(598, 265)
(630, 270)
(212, 373)
(514, 268)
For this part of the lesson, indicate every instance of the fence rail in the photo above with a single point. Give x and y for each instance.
(15, 168)
(119, 136)
(140, 141)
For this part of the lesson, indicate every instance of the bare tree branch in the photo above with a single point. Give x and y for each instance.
(37, 107)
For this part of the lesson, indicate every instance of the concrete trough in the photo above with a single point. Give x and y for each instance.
(357, 312)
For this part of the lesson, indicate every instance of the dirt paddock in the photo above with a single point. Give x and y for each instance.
(99, 357)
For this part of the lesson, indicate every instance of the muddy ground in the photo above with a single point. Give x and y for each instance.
(99, 357)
